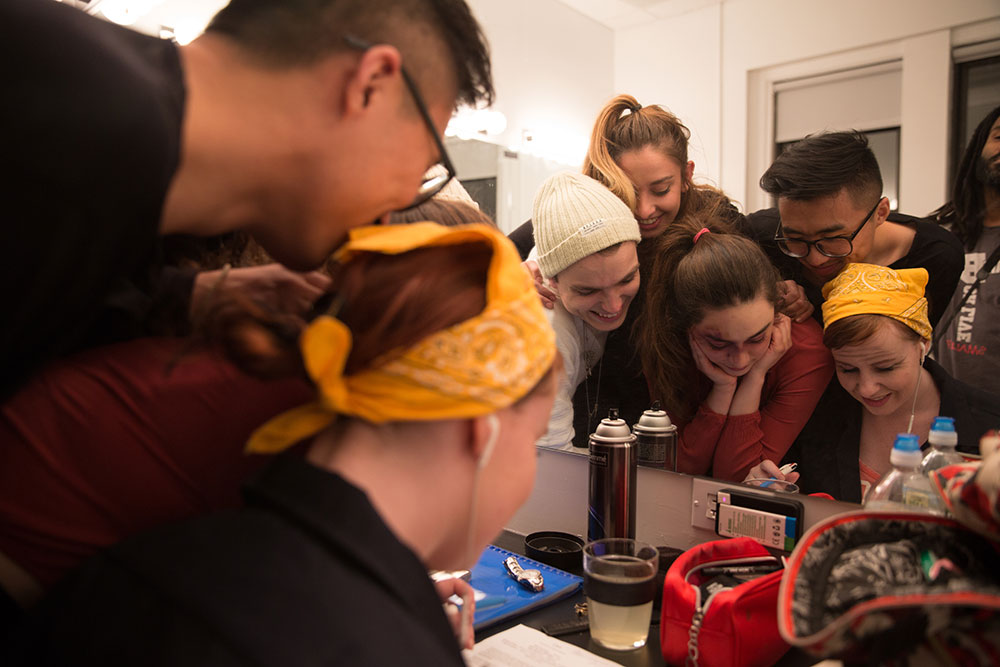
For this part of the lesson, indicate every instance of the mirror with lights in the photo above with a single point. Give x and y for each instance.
(748, 86)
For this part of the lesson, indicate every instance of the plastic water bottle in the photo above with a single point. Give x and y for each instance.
(905, 487)
(943, 439)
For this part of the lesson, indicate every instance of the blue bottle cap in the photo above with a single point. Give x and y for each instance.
(943, 424)
(907, 442)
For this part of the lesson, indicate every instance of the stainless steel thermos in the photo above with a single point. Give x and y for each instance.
(612, 480)
(656, 439)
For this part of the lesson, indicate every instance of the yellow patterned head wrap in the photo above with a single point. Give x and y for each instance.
(869, 289)
(473, 368)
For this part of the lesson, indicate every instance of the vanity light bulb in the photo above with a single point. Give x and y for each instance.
(127, 12)
(186, 29)
(470, 123)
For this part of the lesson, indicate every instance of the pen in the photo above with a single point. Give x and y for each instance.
(784, 470)
(740, 569)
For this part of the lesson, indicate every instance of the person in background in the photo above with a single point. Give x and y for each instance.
(586, 240)
(876, 326)
(831, 212)
(293, 121)
(967, 343)
(435, 373)
(739, 378)
(640, 153)
(452, 206)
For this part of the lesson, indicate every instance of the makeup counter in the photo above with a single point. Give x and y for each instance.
(671, 511)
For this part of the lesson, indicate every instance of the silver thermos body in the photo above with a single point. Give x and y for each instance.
(656, 439)
(611, 512)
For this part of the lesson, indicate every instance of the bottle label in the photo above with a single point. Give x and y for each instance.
(916, 498)
(599, 459)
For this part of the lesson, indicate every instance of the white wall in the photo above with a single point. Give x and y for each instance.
(676, 63)
(552, 66)
(723, 57)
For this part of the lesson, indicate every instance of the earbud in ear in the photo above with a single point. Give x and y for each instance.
(924, 349)
(491, 441)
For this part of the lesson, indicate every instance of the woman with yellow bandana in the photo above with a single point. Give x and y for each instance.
(434, 372)
(876, 325)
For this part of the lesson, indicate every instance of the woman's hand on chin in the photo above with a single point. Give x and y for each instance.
(718, 376)
(781, 342)
(723, 384)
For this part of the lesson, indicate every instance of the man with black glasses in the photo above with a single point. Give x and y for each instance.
(831, 212)
(290, 120)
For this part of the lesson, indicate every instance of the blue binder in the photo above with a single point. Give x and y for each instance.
(489, 576)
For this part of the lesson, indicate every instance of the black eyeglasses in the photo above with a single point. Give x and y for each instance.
(831, 246)
(434, 181)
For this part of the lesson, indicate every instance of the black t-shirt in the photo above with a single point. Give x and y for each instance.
(829, 445)
(92, 116)
(934, 248)
(307, 573)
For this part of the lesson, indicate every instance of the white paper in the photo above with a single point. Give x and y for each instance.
(522, 646)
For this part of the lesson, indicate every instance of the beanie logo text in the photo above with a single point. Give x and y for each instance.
(591, 227)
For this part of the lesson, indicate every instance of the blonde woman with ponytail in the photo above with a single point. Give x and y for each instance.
(641, 154)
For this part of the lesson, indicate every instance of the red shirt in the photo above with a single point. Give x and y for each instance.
(110, 442)
(730, 445)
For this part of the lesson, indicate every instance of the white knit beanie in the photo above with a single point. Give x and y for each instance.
(573, 217)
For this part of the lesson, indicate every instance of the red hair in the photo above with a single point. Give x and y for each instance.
(387, 301)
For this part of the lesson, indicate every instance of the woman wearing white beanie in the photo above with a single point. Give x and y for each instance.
(585, 240)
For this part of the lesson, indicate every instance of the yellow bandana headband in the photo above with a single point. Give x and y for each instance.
(473, 368)
(869, 289)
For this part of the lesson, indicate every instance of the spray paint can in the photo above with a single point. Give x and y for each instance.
(656, 439)
(611, 511)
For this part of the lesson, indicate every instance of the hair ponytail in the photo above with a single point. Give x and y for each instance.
(600, 163)
(616, 132)
(687, 278)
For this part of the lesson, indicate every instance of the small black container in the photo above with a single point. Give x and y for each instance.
(667, 557)
(560, 550)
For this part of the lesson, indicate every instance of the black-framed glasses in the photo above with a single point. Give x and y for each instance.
(434, 180)
(831, 246)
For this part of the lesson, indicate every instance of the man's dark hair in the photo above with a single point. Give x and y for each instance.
(284, 33)
(821, 165)
(964, 213)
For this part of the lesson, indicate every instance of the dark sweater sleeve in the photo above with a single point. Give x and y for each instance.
(523, 239)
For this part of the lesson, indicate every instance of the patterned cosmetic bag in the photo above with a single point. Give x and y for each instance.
(893, 588)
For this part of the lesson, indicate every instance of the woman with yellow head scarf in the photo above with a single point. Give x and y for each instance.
(434, 371)
(876, 325)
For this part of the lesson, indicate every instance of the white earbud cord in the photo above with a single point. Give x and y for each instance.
(470, 544)
(913, 407)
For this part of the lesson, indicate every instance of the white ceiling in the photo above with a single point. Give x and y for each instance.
(627, 13)
(612, 13)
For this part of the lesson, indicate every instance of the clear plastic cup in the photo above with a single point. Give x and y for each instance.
(619, 580)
